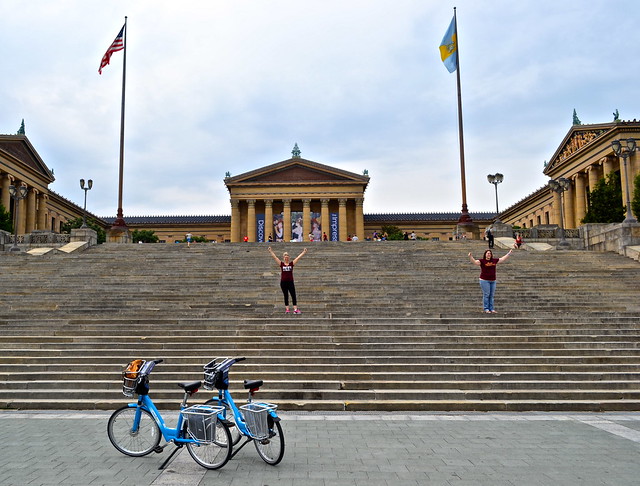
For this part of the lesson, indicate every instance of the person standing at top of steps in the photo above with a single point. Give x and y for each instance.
(487, 266)
(286, 279)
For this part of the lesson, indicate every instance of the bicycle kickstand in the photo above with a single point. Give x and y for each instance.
(175, 451)
(236, 450)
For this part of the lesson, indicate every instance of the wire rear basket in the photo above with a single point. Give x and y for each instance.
(202, 421)
(255, 416)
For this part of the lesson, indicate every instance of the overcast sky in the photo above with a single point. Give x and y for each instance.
(216, 86)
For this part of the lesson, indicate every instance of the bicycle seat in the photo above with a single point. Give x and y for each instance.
(189, 387)
(253, 384)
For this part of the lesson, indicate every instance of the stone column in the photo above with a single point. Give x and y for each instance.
(557, 207)
(235, 220)
(359, 218)
(31, 210)
(607, 166)
(635, 169)
(306, 219)
(42, 212)
(22, 223)
(268, 219)
(6, 196)
(286, 219)
(251, 220)
(594, 176)
(342, 215)
(324, 216)
(569, 207)
(581, 197)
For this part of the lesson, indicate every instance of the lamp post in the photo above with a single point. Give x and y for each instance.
(559, 186)
(625, 153)
(18, 194)
(496, 179)
(87, 188)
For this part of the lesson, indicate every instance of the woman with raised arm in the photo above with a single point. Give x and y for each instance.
(286, 279)
(487, 266)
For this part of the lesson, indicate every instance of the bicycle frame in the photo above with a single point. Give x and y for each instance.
(169, 434)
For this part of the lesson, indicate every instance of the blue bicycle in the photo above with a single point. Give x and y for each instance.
(256, 421)
(136, 428)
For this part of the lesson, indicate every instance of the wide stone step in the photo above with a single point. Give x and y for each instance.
(542, 405)
(565, 339)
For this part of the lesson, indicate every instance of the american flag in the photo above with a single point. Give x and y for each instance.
(117, 45)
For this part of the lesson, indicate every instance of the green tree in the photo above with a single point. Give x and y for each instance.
(393, 232)
(146, 236)
(196, 239)
(77, 223)
(605, 201)
(5, 220)
(635, 203)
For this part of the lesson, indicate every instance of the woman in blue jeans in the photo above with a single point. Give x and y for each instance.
(487, 266)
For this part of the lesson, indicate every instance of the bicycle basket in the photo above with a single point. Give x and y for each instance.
(201, 422)
(130, 377)
(256, 418)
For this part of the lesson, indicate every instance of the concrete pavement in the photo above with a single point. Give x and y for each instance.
(72, 448)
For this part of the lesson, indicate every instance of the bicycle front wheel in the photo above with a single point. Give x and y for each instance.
(131, 442)
(271, 449)
(213, 455)
(228, 414)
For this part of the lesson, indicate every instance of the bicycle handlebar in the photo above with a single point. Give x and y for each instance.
(219, 362)
(148, 367)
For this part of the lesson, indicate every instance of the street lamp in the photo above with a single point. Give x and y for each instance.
(625, 153)
(559, 186)
(18, 194)
(84, 214)
(496, 179)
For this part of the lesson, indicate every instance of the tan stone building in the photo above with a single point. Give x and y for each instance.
(584, 156)
(292, 199)
(41, 209)
(296, 199)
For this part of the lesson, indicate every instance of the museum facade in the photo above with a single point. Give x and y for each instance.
(301, 200)
(41, 209)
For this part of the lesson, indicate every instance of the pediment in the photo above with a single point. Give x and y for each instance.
(578, 138)
(296, 171)
(18, 148)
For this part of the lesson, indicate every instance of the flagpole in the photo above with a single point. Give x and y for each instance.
(464, 219)
(119, 223)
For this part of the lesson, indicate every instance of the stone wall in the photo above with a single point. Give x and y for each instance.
(610, 237)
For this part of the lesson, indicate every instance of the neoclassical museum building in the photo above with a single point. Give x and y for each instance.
(299, 199)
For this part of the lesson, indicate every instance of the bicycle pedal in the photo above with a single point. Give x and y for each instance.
(159, 449)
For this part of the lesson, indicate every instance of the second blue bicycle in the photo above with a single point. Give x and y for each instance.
(258, 422)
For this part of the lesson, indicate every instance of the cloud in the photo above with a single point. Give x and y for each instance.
(222, 86)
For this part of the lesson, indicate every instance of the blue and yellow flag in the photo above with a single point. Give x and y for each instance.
(449, 47)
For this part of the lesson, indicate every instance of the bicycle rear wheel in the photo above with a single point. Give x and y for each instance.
(133, 443)
(271, 449)
(213, 455)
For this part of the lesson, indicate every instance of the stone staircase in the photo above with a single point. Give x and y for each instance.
(385, 326)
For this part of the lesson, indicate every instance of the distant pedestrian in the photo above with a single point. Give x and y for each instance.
(489, 235)
(487, 266)
(518, 243)
(286, 279)
(188, 237)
